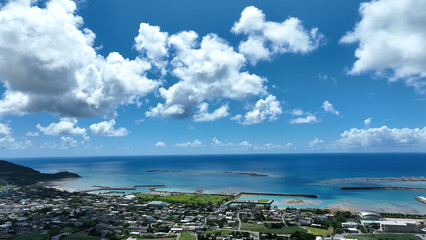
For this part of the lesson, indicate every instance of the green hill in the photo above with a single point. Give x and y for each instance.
(20, 175)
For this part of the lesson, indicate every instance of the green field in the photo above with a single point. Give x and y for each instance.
(384, 236)
(32, 236)
(320, 231)
(220, 232)
(81, 237)
(186, 198)
(262, 200)
(262, 228)
(186, 236)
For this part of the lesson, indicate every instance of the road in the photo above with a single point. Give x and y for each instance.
(239, 221)
(282, 216)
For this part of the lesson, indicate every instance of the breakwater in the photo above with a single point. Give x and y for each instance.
(384, 188)
(277, 194)
(106, 188)
(421, 199)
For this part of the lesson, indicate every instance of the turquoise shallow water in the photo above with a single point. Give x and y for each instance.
(319, 174)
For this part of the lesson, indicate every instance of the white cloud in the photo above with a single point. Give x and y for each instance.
(5, 129)
(207, 70)
(218, 143)
(252, 146)
(160, 144)
(328, 107)
(106, 128)
(204, 116)
(153, 43)
(195, 143)
(266, 38)
(245, 144)
(382, 137)
(268, 108)
(367, 122)
(8, 142)
(297, 112)
(66, 126)
(317, 144)
(48, 64)
(68, 142)
(33, 134)
(392, 41)
(308, 119)
(273, 147)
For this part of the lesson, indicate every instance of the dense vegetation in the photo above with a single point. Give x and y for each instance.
(20, 175)
(188, 198)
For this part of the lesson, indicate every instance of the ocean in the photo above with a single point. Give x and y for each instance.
(318, 174)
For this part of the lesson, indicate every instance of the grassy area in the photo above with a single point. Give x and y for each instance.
(70, 229)
(80, 237)
(32, 236)
(186, 236)
(386, 236)
(262, 228)
(220, 232)
(158, 238)
(186, 198)
(262, 200)
(320, 231)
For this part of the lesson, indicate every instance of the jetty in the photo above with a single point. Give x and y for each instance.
(276, 194)
(106, 188)
(421, 199)
(250, 202)
(384, 188)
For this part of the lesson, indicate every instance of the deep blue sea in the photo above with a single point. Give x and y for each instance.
(319, 174)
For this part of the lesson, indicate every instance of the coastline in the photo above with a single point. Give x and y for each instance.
(294, 200)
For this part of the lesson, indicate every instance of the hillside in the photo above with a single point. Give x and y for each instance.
(20, 175)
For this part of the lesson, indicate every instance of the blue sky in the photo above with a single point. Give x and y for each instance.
(104, 77)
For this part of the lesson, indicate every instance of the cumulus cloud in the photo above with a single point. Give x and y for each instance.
(268, 108)
(328, 107)
(5, 129)
(204, 116)
(392, 38)
(307, 119)
(106, 128)
(297, 112)
(48, 64)
(207, 70)
(383, 137)
(8, 142)
(317, 144)
(195, 143)
(66, 126)
(267, 38)
(152, 42)
(68, 142)
(160, 144)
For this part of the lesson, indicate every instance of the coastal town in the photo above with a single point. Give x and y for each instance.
(36, 212)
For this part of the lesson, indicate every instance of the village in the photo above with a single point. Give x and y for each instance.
(34, 212)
